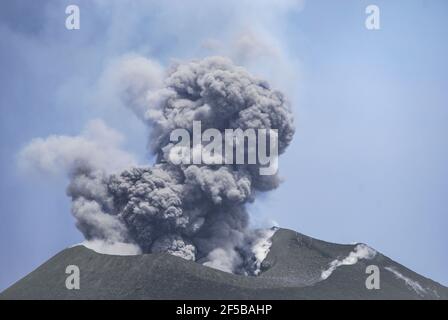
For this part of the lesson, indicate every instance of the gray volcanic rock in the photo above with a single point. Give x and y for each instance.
(291, 270)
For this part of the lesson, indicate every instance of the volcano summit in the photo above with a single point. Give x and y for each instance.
(292, 270)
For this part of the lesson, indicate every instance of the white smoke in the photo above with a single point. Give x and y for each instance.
(414, 285)
(223, 259)
(98, 147)
(112, 248)
(361, 251)
(261, 247)
(128, 80)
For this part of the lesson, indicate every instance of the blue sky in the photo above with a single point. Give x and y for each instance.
(368, 161)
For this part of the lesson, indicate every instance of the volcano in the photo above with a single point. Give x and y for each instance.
(296, 267)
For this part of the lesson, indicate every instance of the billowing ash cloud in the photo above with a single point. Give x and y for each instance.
(194, 211)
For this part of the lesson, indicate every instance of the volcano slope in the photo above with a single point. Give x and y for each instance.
(291, 270)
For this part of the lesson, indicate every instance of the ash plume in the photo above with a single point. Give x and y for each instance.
(194, 211)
